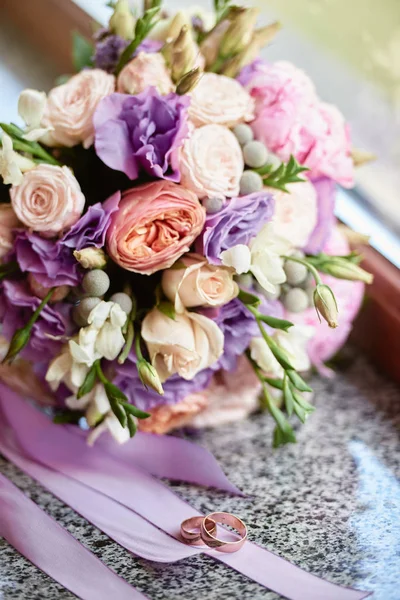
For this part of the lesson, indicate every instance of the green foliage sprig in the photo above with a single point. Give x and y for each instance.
(280, 177)
(143, 27)
(22, 145)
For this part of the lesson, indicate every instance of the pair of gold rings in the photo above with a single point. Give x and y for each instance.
(199, 531)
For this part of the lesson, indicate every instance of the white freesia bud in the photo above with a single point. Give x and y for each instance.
(122, 21)
(31, 105)
(113, 426)
(12, 165)
(98, 405)
(110, 341)
(149, 376)
(91, 258)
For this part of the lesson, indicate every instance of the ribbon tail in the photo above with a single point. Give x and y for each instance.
(56, 552)
(173, 458)
(118, 522)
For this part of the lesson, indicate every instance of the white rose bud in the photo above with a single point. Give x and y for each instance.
(325, 304)
(91, 258)
(149, 376)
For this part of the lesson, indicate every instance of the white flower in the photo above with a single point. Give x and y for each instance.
(262, 258)
(31, 107)
(293, 342)
(12, 164)
(98, 409)
(64, 369)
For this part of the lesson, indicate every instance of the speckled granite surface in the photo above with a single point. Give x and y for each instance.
(331, 503)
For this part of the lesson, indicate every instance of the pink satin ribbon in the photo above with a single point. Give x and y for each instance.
(67, 453)
(51, 548)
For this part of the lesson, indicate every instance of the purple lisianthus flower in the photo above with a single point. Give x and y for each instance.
(236, 223)
(239, 326)
(326, 193)
(92, 227)
(142, 132)
(248, 72)
(51, 263)
(175, 388)
(16, 307)
(109, 48)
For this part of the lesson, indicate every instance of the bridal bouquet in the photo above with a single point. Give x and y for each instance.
(167, 230)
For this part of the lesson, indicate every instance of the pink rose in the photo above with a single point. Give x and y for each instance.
(291, 119)
(296, 213)
(185, 345)
(143, 71)
(198, 283)
(71, 106)
(8, 222)
(211, 162)
(155, 224)
(220, 100)
(166, 417)
(349, 294)
(49, 200)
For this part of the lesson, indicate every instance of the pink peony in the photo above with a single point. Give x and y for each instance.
(49, 200)
(8, 222)
(211, 162)
(291, 119)
(155, 224)
(70, 107)
(349, 294)
(220, 100)
(143, 71)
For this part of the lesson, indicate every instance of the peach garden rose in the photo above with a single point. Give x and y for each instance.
(70, 107)
(211, 162)
(49, 200)
(198, 283)
(155, 224)
(185, 345)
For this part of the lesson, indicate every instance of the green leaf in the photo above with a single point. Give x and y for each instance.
(284, 174)
(143, 27)
(61, 79)
(277, 351)
(275, 323)
(134, 411)
(89, 382)
(114, 392)
(131, 425)
(288, 396)
(118, 411)
(309, 408)
(298, 381)
(300, 412)
(275, 383)
(283, 437)
(167, 308)
(82, 51)
(249, 299)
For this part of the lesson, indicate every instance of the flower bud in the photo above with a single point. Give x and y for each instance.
(265, 35)
(149, 376)
(31, 105)
(181, 53)
(189, 81)
(122, 21)
(91, 258)
(239, 32)
(345, 269)
(175, 27)
(18, 342)
(325, 304)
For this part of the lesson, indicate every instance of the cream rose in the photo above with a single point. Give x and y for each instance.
(185, 346)
(49, 200)
(296, 212)
(143, 71)
(8, 221)
(211, 162)
(220, 100)
(70, 107)
(198, 283)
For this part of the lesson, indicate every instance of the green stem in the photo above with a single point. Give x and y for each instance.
(100, 373)
(308, 266)
(216, 66)
(138, 349)
(130, 334)
(39, 309)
